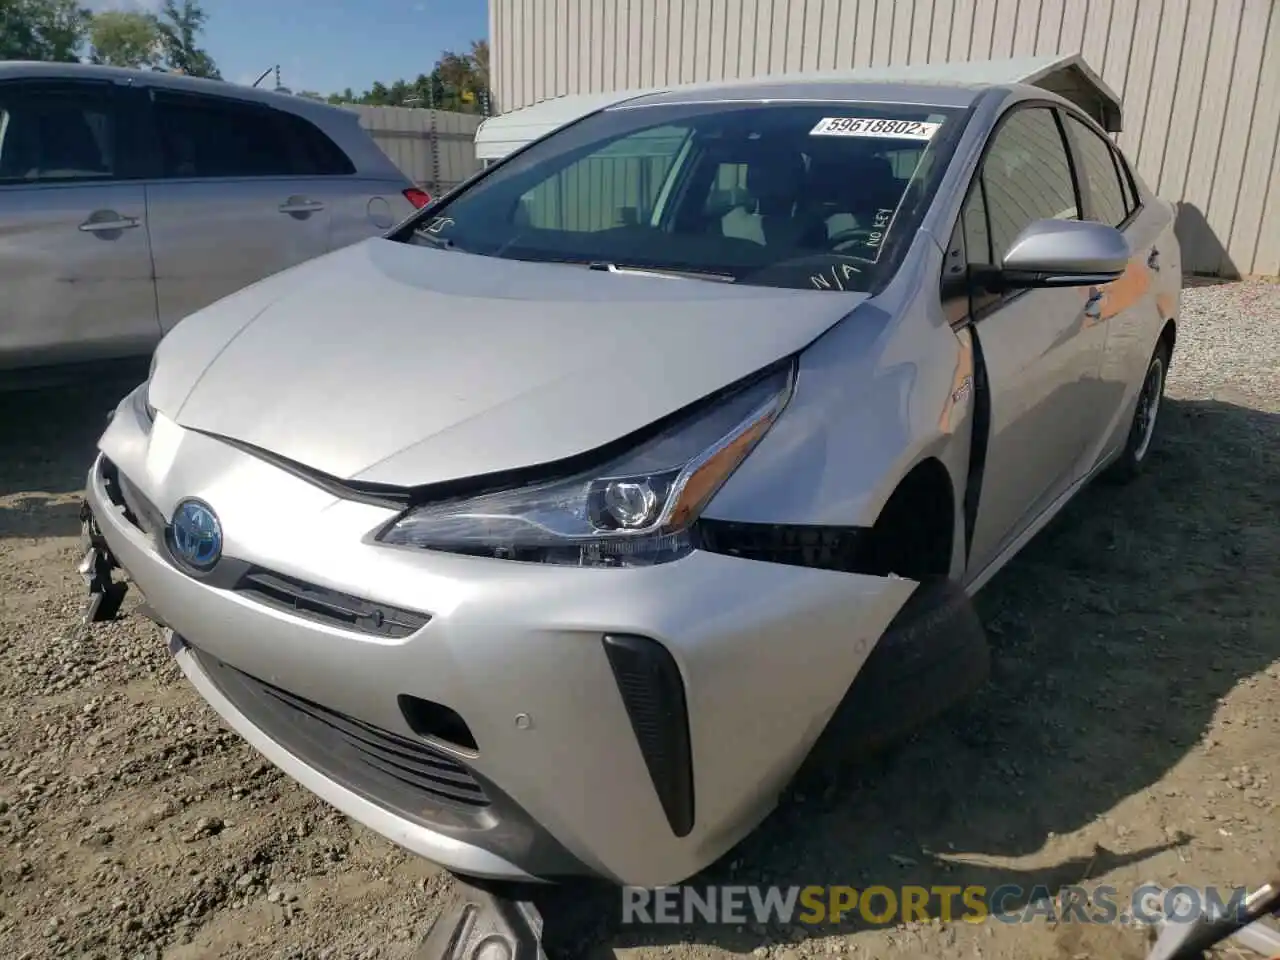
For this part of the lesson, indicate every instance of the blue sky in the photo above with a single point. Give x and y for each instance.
(327, 45)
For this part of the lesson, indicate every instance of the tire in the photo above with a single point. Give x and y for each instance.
(933, 654)
(1146, 418)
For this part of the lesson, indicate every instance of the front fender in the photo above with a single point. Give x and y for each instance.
(874, 396)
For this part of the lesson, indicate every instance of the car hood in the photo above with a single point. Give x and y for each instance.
(397, 364)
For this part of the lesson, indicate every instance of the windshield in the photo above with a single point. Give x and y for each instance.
(803, 195)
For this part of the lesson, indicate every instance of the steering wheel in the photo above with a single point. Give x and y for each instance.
(849, 235)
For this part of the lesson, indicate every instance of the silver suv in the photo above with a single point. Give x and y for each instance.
(129, 200)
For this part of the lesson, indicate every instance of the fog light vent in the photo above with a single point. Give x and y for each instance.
(435, 721)
(653, 693)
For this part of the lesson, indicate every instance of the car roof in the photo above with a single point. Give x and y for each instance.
(817, 89)
(957, 84)
(40, 70)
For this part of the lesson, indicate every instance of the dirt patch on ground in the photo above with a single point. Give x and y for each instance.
(1129, 733)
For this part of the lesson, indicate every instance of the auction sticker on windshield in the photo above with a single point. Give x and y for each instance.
(875, 127)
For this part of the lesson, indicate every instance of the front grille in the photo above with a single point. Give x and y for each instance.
(408, 776)
(323, 605)
(288, 594)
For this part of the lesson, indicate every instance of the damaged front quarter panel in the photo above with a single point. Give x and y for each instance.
(886, 390)
(875, 444)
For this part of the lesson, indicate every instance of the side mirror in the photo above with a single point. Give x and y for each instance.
(1065, 253)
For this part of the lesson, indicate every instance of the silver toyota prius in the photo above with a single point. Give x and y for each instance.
(555, 532)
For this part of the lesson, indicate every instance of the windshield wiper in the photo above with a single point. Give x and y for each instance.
(605, 266)
(442, 243)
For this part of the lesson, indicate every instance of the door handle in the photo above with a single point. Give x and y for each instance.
(1153, 260)
(1093, 306)
(106, 226)
(301, 205)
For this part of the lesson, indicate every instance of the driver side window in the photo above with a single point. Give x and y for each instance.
(1026, 176)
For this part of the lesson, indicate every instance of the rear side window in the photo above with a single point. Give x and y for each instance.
(1027, 176)
(1126, 183)
(211, 137)
(56, 131)
(320, 156)
(1108, 202)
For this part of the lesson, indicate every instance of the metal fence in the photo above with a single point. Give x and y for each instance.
(435, 148)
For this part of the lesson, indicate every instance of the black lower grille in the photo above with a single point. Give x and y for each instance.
(323, 605)
(410, 776)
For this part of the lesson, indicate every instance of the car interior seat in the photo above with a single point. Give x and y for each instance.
(60, 143)
(774, 184)
(845, 193)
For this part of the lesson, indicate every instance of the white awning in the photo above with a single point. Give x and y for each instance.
(1068, 76)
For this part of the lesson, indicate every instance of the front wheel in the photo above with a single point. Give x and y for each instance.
(1146, 414)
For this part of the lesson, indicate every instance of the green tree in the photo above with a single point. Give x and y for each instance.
(457, 82)
(179, 28)
(480, 65)
(455, 71)
(399, 92)
(123, 38)
(42, 30)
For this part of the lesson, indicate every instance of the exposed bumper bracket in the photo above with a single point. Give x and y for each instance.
(105, 597)
(485, 921)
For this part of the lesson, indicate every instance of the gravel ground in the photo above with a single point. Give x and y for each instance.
(1129, 732)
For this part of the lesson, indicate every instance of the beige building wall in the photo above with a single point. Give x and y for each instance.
(1199, 79)
(436, 149)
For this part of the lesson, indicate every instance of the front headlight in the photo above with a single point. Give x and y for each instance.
(142, 408)
(633, 511)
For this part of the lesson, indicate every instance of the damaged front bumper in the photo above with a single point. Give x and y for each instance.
(749, 658)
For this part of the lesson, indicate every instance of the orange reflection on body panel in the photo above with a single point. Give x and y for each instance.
(1121, 293)
(961, 381)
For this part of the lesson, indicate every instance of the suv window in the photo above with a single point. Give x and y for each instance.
(319, 156)
(213, 137)
(56, 131)
(1106, 195)
(1027, 176)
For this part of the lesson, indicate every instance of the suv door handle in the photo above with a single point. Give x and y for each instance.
(1153, 260)
(97, 222)
(301, 205)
